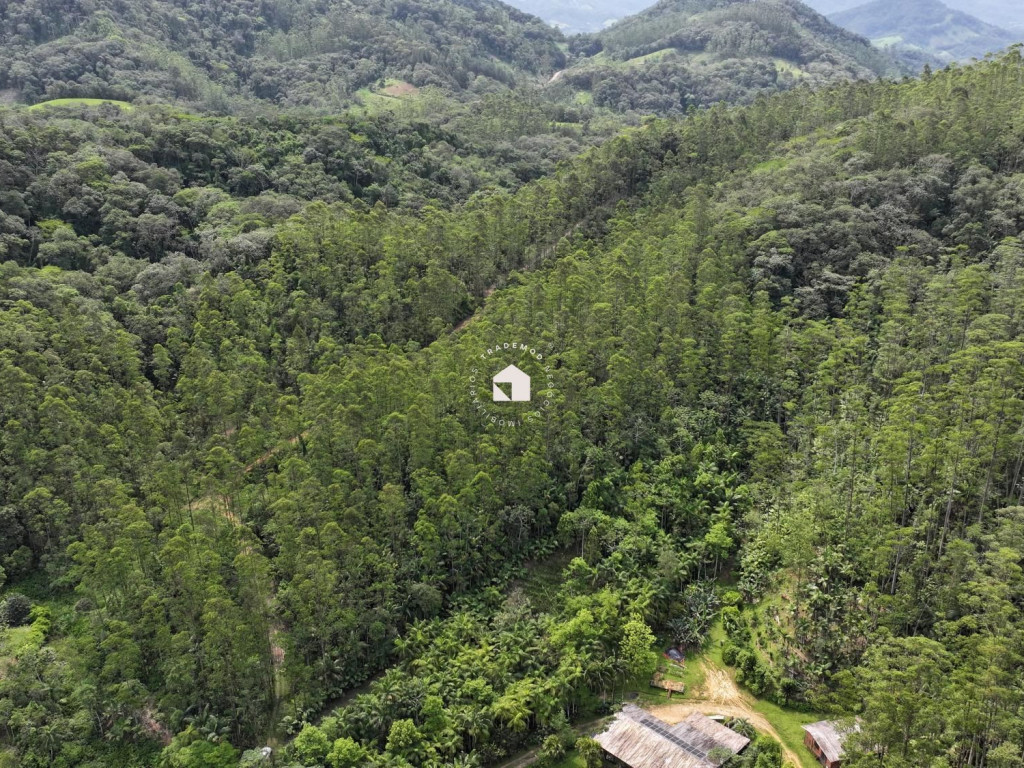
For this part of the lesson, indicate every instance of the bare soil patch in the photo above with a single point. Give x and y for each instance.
(398, 90)
(719, 695)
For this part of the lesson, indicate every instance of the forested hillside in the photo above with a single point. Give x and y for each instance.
(683, 53)
(291, 53)
(430, 59)
(241, 473)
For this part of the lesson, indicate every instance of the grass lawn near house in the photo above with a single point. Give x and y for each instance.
(572, 759)
(788, 723)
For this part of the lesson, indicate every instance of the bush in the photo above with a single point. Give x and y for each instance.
(552, 750)
(732, 599)
(769, 752)
(732, 621)
(590, 751)
(346, 753)
(729, 652)
(15, 610)
(311, 745)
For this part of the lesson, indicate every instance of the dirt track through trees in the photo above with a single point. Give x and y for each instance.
(719, 695)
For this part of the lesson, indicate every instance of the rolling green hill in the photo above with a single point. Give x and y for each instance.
(682, 53)
(289, 53)
(926, 27)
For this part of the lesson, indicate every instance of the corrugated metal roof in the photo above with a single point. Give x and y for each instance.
(829, 735)
(643, 741)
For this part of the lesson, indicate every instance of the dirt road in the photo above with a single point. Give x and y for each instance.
(529, 757)
(719, 695)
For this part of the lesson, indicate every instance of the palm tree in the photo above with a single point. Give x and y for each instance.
(512, 708)
(468, 760)
(403, 648)
(743, 727)
(377, 716)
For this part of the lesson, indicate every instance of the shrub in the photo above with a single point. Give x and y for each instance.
(732, 621)
(729, 652)
(590, 751)
(15, 610)
(552, 750)
(732, 599)
(311, 745)
(346, 753)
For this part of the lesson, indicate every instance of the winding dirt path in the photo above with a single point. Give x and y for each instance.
(719, 695)
(261, 460)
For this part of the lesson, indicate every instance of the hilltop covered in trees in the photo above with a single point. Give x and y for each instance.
(683, 53)
(290, 53)
(239, 56)
(241, 476)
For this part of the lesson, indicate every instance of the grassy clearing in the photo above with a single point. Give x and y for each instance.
(15, 640)
(691, 672)
(399, 89)
(787, 722)
(82, 103)
(770, 166)
(651, 56)
(394, 95)
(572, 759)
(888, 40)
(784, 66)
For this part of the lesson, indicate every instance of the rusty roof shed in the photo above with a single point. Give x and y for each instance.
(641, 740)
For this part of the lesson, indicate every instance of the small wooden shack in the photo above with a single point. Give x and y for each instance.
(825, 739)
(640, 740)
(672, 686)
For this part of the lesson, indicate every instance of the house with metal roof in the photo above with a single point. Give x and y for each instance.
(825, 739)
(638, 739)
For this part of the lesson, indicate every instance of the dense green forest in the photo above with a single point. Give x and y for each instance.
(425, 56)
(246, 497)
(292, 53)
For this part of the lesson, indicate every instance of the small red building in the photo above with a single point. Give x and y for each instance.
(825, 739)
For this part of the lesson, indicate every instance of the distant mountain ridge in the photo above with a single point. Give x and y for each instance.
(576, 16)
(925, 26)
(783, 27)
(683, 53)
(1007, 14)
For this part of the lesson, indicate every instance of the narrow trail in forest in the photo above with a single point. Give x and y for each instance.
(529, 757)
(222, 506)
(546, 253)
(267, 456)
(719, 695)
(464, 323)
(275, 627)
